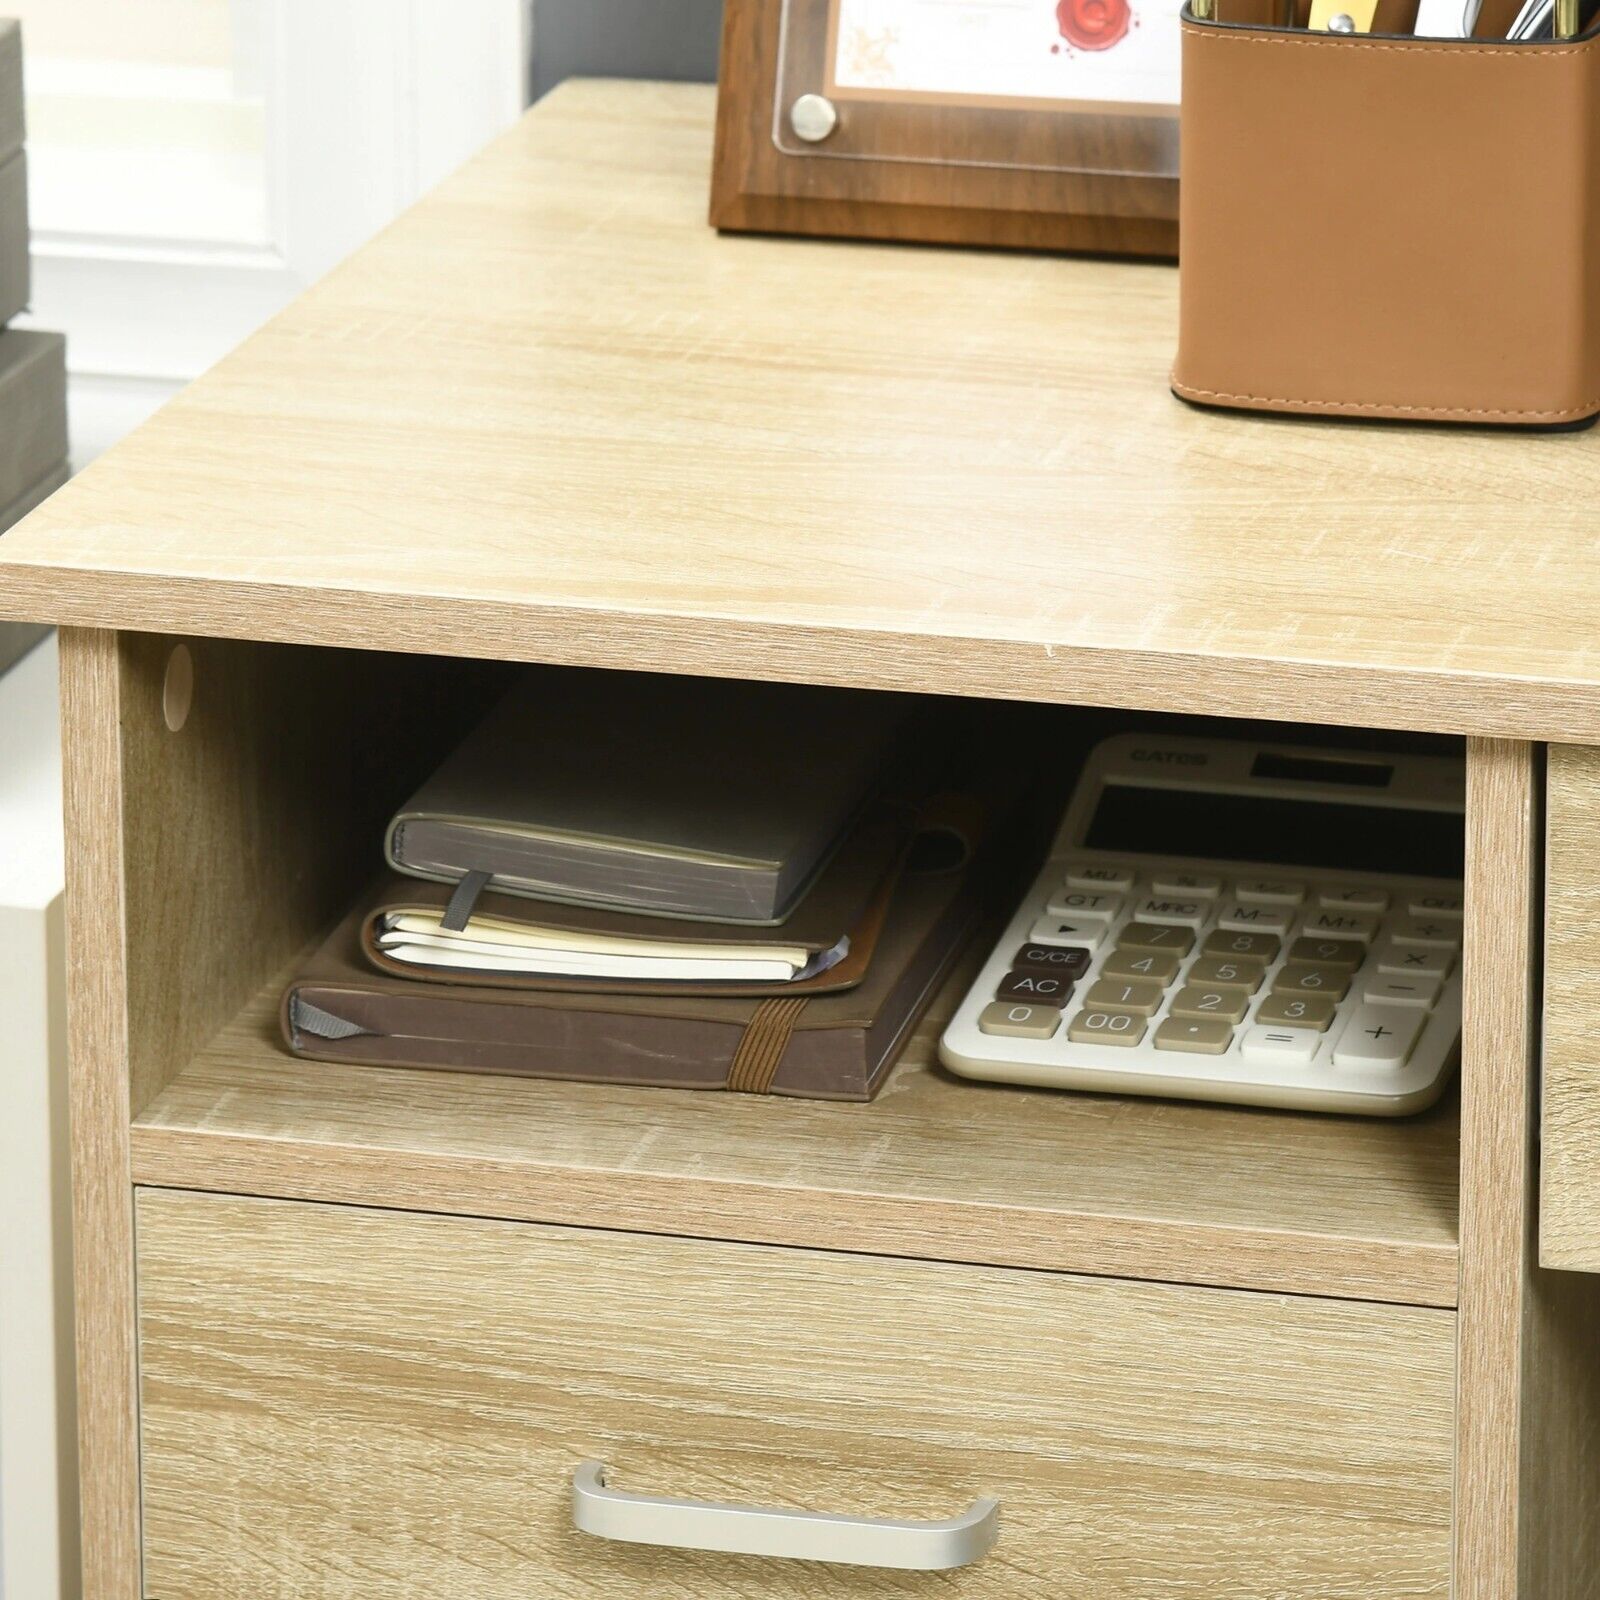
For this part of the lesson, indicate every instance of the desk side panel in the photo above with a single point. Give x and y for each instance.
(1569, 1198)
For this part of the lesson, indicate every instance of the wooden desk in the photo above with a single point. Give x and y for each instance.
(549, 416)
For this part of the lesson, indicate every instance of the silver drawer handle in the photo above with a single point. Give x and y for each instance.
(800, 1535)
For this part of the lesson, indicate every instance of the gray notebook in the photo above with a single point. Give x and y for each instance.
(677, 797)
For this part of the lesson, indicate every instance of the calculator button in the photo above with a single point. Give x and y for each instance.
(1271, 891)
(1378, 1036)
(1154, 966)
(1088, 933)
(1186, 885)
(1340, 925)
(1099, 875)
(1327, 953)
(1357, 899)
(1437, 931)
(1070, 960)
(1297, 1010)
(1197, 1000)
(1436, 905)
(1255, 946)
(1106, 1027)
(1117, 994)
(1018, 1021)
(1401, 991)
(1279, 1046)
(1255, 919)
(1047, 988)
(1147, 936)
(1188, 913)
(1200, 1037)
(1085, 903)
(1334, 981)
(1221, 973)
(1414, 961)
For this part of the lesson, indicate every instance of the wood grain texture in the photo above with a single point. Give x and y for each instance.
(343, 1403)
(1528, 1398)
(1569, 1194)
(1000, 180)
(619, 439)
(935, 1167)
(97, 1050)
(256, 823)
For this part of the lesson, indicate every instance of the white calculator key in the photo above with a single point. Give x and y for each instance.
(1436, 905)
(1088, 933)
(1173, 912)
(1238, 918)
(1414, 961)
(1333, 924)
(1085, 903)
(1392, 991)
(1379, 1036)
(1096, 875)
(1283, 1047)
(1271, 892)
(1186, 885)
(1440, 932)
(1360, 898)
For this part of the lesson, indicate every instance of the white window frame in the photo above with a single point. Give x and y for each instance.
(368, 104)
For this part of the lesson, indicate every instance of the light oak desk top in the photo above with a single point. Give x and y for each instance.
(551, 411)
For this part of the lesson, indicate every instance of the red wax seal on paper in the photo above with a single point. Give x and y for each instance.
(1092, 24)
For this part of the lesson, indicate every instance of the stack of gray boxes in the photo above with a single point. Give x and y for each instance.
(33, 368)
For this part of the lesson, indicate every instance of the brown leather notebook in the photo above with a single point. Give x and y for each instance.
(836, 1046)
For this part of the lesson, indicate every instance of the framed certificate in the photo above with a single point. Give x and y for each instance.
(1034, 123)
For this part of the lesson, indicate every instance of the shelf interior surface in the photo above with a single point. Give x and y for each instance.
(936, 1167)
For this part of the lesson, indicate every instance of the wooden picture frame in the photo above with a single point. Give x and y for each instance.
(947, 169)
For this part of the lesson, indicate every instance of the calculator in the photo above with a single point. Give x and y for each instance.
(1261, 924)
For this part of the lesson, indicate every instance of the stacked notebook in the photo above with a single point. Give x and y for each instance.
(667, 881)
(33, 375)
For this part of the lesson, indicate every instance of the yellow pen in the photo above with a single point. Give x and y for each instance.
(1342, 16)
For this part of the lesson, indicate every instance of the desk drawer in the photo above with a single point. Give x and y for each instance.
(1569, 1181)
(343, 1403)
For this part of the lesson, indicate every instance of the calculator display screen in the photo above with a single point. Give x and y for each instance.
(1286, 833)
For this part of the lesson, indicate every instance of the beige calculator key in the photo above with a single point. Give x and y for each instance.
(1439, 932)
(1364, 897)
(1188, 911)
(1106, 1027)
(1328, 953)
(1186, 885)
(1244, 917)
(1378, 1036)
(1100, 875)
(1334, 981)
(1253, 946)
(1271, 891)
(1203, 1038)
(1436, 905)
(1116, 994)
(1096, 903)
(1414, 961)
(1154, 966)
(1151, 936)
(1223, 972)
(1331, 923)
(1297, 1011)
(1019, 1021)
(1199, 1000)
(1390, 991)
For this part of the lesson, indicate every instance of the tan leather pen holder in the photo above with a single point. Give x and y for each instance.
(1390, 227)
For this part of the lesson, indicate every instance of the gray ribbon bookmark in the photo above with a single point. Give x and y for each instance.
(459, 911)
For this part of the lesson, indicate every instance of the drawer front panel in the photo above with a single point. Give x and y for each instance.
(1569, 1174)
(341, 1403)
